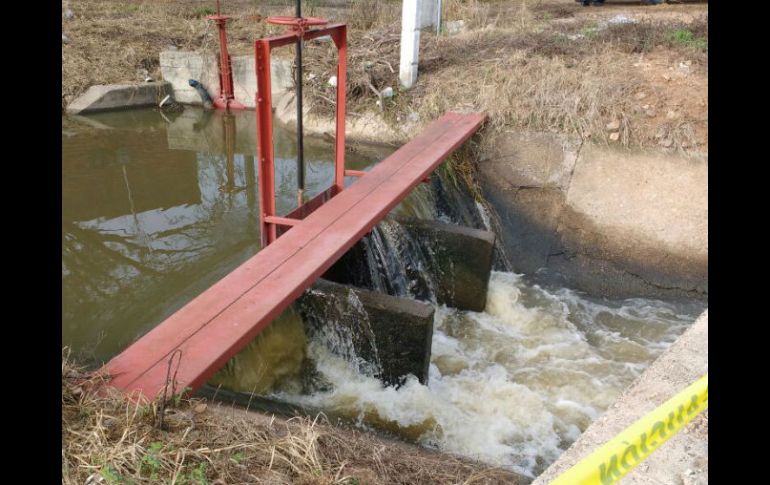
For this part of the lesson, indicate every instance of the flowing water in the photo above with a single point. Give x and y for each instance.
(155, 210)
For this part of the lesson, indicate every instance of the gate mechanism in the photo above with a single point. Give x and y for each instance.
(299, 30)
(226, 98)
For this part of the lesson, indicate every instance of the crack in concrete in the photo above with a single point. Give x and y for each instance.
(560, 220)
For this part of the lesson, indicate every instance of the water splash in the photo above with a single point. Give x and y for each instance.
(341, 326)
(514, 385)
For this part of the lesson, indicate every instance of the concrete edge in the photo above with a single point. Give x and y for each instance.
(395, 304)
(680, 365)
(109, 97)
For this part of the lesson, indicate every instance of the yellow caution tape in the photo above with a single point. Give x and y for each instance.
(618, 456)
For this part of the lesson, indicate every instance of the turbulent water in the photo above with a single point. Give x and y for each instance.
(514, 385)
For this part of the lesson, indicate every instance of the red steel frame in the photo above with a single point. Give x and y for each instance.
(209, 330)
(271, 224)
(226, 98)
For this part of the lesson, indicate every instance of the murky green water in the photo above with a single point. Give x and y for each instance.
(157, 207)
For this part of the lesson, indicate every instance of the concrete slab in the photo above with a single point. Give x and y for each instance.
(527, 159)
(119, 96)
(459, 261)
(178, 67)
(608, 221)
(661, 199)
(393, 334)
(683, 459)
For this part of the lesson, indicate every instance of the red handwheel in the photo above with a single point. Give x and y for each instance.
(297, 23)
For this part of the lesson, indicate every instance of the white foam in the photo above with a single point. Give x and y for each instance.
(516, 384)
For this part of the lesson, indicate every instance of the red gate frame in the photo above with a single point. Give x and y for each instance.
(269, 221)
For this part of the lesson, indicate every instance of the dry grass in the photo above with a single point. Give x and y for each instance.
(530, 71)
(531, 64)
(107, 439)
(111, 41)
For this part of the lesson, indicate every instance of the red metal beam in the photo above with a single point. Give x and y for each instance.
(262, 49)
(213, 327)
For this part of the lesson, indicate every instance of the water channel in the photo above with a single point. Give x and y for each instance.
(157, 207)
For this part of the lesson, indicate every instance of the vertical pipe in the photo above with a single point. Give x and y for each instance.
(342, 68)
(266, 169)
(300, 146)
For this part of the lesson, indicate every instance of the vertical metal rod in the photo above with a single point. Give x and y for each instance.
(300, 146)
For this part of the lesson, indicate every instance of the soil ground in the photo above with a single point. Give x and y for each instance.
(621, 74)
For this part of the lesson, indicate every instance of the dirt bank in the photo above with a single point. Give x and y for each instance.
(111, 440)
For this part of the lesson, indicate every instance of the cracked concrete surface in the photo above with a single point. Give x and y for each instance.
(610, 221)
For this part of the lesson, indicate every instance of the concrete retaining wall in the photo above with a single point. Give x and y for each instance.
(119, 96)
(178, 67)
(394, 333)
(425, 259)
(610, 221)
(460, 261)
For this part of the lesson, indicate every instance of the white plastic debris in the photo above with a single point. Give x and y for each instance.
(387, 92)
(621, 19)
(333, 81)
(94, 479)
(168, 96)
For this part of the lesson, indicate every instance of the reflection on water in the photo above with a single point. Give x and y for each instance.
(155, 209)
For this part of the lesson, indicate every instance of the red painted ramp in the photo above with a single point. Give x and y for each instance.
(213, 327)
